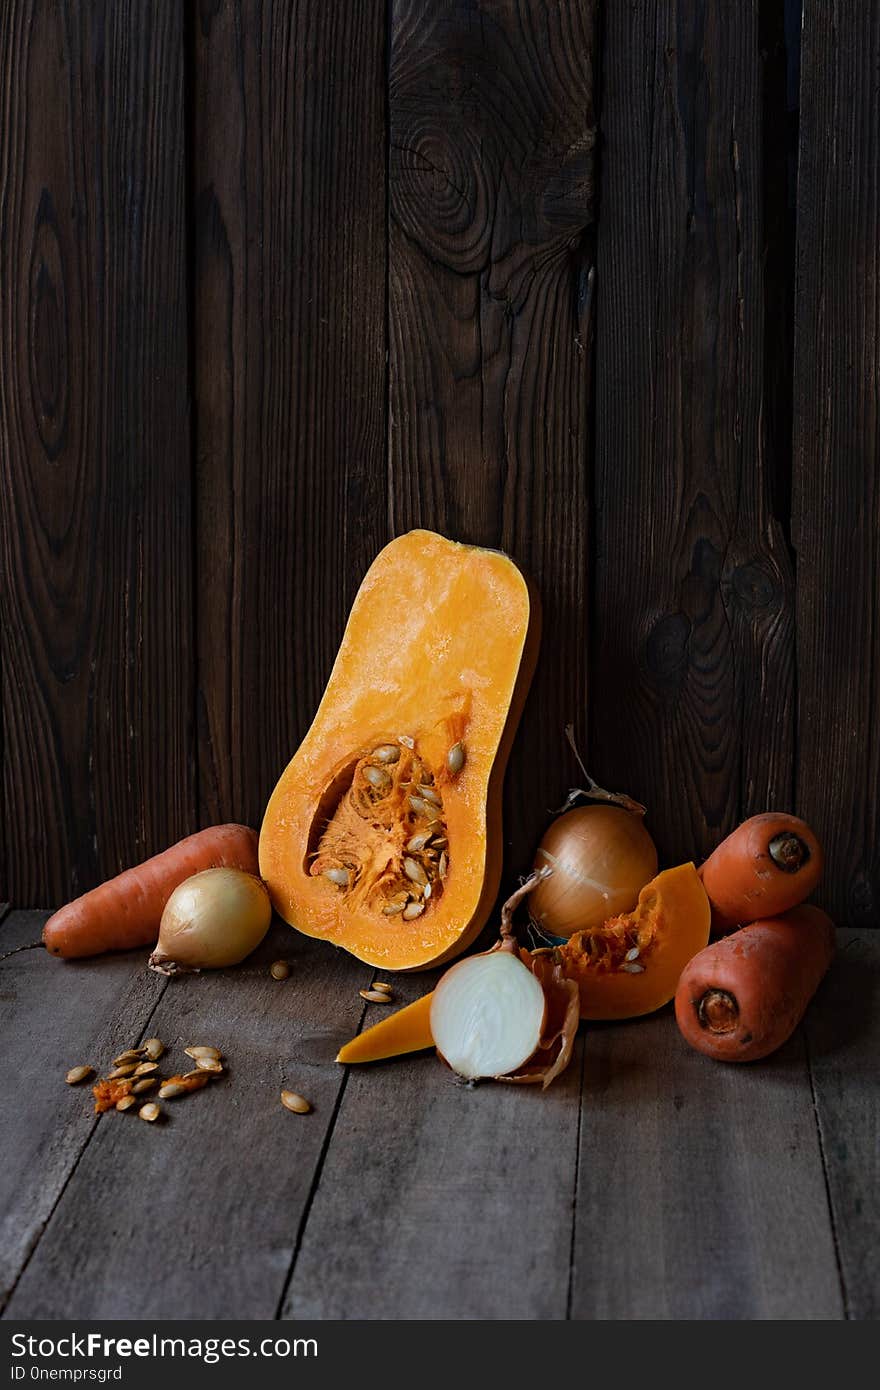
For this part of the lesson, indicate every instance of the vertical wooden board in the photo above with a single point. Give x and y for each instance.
(198, 1214)
(693, 615)
(836, 491)
(55, 1015)
(439, 1200)
(701, 1192)
(491, 193)
(95, 640)
(843, 1035)
(290, 378)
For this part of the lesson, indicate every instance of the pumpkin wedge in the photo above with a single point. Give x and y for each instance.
(383, 835)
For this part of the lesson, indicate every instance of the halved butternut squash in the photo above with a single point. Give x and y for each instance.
(631, 964)
(383, 834)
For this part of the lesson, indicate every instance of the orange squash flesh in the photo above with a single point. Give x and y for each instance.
(408, 1030)
(668, 926)
(437, 655)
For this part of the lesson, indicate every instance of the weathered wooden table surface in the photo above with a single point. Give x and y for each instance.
(648, 1183)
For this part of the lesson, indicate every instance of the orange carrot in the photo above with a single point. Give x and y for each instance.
(125, 911)
(769, 864)
(741, 998)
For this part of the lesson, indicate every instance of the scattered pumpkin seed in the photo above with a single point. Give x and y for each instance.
(211, 1064)
(414, 871)
(131, 1054)
(381, 984)
(146, 1069)
(151, 1111)
(78, 1074)
(376, 996)
(127, 1069)
(202, 1051)
(279, 970)
(145, 1084)
(154, 1048)
(413, 910)
(386, 753)
(126, 1103)
(455, 759)
(172, 1089)
(341, 877)
(632, 967)
(298, 1104)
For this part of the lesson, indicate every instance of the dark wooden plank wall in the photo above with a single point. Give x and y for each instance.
(356, 241)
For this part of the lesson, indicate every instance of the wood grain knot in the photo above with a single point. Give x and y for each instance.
(442, 193)
(48, 331)
(753, 586)
(666, 649)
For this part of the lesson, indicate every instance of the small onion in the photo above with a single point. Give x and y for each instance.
(212, 920)
(601, 856)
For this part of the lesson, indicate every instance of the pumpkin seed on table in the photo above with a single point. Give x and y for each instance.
(78, 1074)
(146, 1069)
(381, 984)
(154, 1047)
(126, 1103)
(294, 1102)
(131, 1054)
(202, 1051)
(376, 996)
(209, 1064)
(151, 1111)
(145, 1084)
(127, 1069)
(279, 970)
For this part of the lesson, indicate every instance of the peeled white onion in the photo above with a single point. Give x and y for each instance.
(487, 1013)
(601, 856)
(213, 919)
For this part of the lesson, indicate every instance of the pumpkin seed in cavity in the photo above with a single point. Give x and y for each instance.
(429, 794)
(414, 871)
(378, 778)
(386, 753)
(455, 759)
(392, 909)
(341, 877)
(413, 910)
(418, 841)
(443, 866)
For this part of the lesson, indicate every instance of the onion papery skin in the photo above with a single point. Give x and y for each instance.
(212, 920)
(601, 856)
